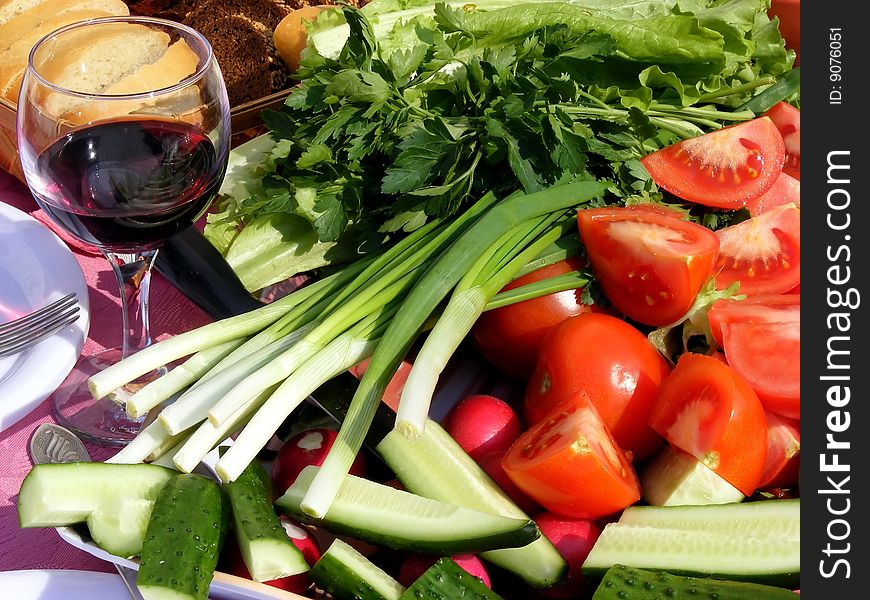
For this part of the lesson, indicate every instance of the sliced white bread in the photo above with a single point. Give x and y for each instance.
(32, 18)
(10, 9)
(178, 62)
(13, 60)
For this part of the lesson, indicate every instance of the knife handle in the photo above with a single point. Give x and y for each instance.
(196, 268)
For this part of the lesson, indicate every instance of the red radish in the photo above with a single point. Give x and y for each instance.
(301, 538)
(482, 424)
(308, 447)
(491, 464)
(415, 565)
(783, 453)
(573, 538)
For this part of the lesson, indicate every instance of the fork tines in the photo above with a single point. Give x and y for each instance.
(25, 331)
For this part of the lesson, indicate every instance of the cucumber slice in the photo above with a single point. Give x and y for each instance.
(626, 583)
(398, 519)
(769, 560)
(266, 550)
(118, 525)
(53, 495)
(435, 466)
(446, 579)
(676, 478)
(780, 519)
(348, 575)
(188, 523)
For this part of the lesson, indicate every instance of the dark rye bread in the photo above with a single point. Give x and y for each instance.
(240, 32)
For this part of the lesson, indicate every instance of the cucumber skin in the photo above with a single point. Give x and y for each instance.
(255, 520)
(445, 580)
(594, 568)
(184, 537)
(435, 466)
(522, 533)
(345, 582)
(628, 583)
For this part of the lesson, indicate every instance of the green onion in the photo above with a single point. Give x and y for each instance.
(178, 378)
(345, 351)
(430, 290)
(207, 336)
(468, 302)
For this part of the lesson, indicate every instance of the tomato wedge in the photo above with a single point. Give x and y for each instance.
(509, 337)
(788, 121)
(762, 253)
(724, 168)
(705, 408)
(570, 464)
(649, 264)
(783, 453)
(761, 340)
(786, 190)
(613, 364)
(775, 308)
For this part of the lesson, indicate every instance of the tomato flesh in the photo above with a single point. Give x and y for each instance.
(788, 121)
(509, 337)
(705, 408)
(761, 340)
(724, 168)
(775, 308)
(783, 453)
(762, 253)
(570, 464)
(786, 190)
(650, 265)
(611, 363)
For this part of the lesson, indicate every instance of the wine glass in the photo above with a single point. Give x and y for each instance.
(123, 134)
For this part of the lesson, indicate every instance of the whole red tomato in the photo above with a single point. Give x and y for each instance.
(509, 337)
(611, 362)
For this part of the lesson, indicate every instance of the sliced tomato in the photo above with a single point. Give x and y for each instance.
(788, 121)
(509, 337)
(611, 363)
(724, 168)
(706, 408)
(650, 265)
(762, 253)
(761, 340)
(786, 190)
(783, 453)
(570, 464)
(776, 308)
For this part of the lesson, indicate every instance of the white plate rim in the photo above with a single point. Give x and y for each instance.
(34, 583)
(54, 357)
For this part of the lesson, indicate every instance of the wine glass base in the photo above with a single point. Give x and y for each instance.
(103, 421)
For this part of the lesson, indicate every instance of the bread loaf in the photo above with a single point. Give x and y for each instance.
(23, 28)
(173, 66)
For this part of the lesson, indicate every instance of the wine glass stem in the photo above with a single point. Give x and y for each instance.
(133, 272)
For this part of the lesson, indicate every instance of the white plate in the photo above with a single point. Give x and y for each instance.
(223, 586)
(36, 267)
(62, 585)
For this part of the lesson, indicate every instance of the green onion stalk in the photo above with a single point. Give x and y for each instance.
(416, 308)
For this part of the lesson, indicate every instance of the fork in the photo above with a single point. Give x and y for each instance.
(25, 331)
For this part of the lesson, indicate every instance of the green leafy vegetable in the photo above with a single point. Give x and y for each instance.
(408, 110)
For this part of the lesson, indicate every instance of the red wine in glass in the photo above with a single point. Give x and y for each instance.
(129, 184)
